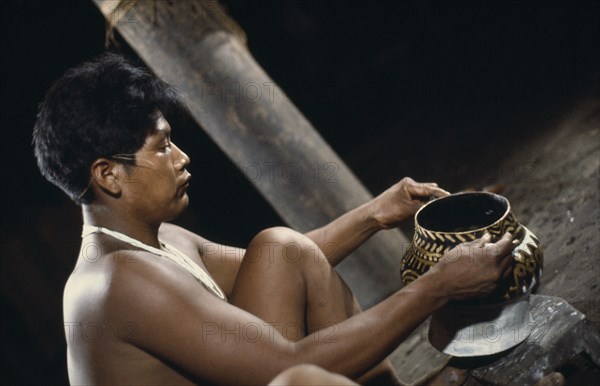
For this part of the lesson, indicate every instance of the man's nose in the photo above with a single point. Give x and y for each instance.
(181, 159)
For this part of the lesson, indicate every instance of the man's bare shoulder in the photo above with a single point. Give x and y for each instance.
(116, 308)
(122, 282)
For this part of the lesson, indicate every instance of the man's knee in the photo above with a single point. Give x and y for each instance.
(307, 374)
(280, 235)
(282, 244)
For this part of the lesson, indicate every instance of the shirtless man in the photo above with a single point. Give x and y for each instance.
(152, 303)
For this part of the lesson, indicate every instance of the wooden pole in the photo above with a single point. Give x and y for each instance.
(197, 47)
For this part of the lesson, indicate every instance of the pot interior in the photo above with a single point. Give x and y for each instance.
(462, 212)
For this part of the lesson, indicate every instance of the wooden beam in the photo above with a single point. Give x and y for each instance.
(197, 47)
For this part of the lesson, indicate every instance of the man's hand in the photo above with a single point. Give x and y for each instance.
(343, 235)
(403, 200)
(473, 269)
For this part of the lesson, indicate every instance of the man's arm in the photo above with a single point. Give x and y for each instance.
(346, 233)
(336, 239)
(215, 341)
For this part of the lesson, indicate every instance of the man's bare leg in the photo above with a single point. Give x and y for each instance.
(286, 280)
(310, 375)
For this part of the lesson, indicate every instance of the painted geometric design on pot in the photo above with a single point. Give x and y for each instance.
(528, 265)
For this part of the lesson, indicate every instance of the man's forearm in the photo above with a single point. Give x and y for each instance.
(346, 233)
(343, 235)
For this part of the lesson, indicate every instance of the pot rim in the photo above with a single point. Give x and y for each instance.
(508, 209)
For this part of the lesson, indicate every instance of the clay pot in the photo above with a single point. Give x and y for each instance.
(464, 328)
(446, 222)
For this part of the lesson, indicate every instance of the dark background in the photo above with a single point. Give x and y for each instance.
(435, 90)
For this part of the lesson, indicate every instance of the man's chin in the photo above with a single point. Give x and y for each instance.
(182, 206)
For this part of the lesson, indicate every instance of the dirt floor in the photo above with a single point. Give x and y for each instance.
(553, 186)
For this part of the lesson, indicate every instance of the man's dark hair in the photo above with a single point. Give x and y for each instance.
(103, 107)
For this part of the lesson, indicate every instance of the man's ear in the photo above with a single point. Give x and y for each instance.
(106, 173)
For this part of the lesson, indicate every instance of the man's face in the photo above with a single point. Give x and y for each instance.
(155, 188)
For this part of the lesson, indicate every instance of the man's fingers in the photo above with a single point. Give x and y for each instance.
(504, 245)
(507, 268)
(425, 190)
(480, 242)
(435, 190)
(486, 238)
(439, 192)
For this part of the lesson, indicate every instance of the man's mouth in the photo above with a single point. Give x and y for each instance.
(186, 182)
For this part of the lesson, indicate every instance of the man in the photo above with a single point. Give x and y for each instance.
(152, 303)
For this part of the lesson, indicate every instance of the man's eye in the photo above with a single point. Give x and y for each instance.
(165, 147)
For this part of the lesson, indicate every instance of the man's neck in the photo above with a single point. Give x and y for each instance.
(102, 216)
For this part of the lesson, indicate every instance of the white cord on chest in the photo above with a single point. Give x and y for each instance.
(168, 251)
